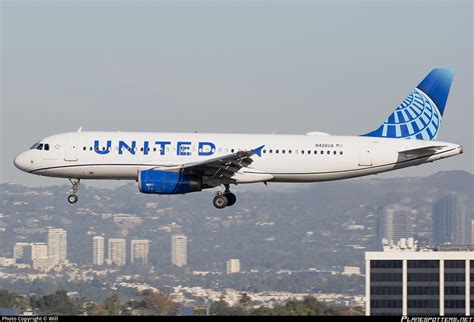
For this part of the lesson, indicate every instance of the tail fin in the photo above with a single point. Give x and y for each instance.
(419, 115)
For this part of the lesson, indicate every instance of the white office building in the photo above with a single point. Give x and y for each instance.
(117, 251)
(39, 251)
(179, 250)
(233, 266)
(98, 250)
(57, 244)
(139, 249)
(406, 280)
(18, 250)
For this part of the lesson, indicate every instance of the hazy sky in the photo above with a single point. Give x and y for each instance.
(255, 67)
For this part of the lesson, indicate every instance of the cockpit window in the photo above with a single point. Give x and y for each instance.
(46, 146)
(40, 146)
(34, 146)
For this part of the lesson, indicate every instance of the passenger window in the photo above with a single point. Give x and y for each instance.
(340, 153)
(315, 152)
(264, 151)
(90, 148)
(154, 149)
(322, 152)
(84, 148)
(283, 151)
(334, 152)
(289, 151)
(309, 151)
(276, 151)
(302, 151)
(232, 150)
(271, 151)
(329, 152)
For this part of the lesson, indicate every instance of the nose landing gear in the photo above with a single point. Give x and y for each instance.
(222, 200)
(72, 198)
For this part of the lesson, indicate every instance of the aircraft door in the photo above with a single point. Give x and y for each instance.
(365, 154)
(71, 147)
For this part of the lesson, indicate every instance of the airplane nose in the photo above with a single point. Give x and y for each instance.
(21, 162)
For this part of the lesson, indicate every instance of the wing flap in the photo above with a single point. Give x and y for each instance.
(223, 167)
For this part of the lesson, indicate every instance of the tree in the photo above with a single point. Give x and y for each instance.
(97, 309)
(112, 304)
(55, 303)
(220, 307)
(160, 302)
(245, 300)
(12, 300)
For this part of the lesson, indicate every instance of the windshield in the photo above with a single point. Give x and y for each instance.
(40, 146)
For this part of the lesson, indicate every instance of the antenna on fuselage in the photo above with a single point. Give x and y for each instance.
(80, 129)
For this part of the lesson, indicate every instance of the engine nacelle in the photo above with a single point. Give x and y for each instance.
(168, 182)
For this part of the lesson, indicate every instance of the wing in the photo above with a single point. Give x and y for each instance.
(220, 168)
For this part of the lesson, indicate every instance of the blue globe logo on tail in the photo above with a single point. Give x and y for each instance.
(419, 115)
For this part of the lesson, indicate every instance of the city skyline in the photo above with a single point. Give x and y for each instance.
(347, 215)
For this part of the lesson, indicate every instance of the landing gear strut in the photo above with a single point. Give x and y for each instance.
(72, 198)
(222, 200)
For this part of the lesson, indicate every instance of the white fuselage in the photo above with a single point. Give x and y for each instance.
(284, 158)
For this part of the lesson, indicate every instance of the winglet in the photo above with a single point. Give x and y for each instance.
(258, 151)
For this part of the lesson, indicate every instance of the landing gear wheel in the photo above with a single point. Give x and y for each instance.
(231, 198)
(220, 201)
(72, 199)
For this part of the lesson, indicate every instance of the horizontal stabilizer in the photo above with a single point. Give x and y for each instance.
(424, 150)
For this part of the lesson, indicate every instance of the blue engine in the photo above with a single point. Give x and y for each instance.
(168, 182)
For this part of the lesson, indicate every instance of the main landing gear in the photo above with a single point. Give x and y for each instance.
(222, 200)
(72, 198)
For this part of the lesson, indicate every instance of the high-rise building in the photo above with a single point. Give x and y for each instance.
(57, 244)
(393, 223)
(472, 232)
(451, 222)
(233, 266)
(117, 251)
(18, 250)
(139, 251)
(98, 250)
(179, 250)
(420, 282)
(39, 251)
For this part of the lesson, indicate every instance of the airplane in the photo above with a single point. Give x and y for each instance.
(180, 163)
